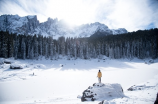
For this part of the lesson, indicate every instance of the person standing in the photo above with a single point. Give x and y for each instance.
(99, 76)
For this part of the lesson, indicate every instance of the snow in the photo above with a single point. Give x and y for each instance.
(119, 31)
(101, 91)
(15, 66)
(7, 61)
(46, 82)
(31, 16)
(52, 27)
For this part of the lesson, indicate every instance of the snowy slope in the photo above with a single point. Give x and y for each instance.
(61, 81)
(119, 31)
(51, 27)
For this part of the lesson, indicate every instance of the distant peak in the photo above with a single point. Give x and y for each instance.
(50, 19)
(32, 16)
(97, 23)
(52, 27)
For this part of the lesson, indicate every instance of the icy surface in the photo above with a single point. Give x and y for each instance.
(46, 82)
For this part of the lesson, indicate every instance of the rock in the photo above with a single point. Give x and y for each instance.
(90, 87)
(61, 65)
(92, 99)
(102, 91)
(138, 87)
(156, 101)
(6, 61)
(94, 84)
(79, 96)
(102, 102)
(130, 89)
(15, 66)
(151, 61)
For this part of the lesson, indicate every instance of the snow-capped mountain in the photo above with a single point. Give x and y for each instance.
(52, 27)
(20, 25)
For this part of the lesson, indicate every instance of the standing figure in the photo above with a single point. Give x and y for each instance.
(99, 76)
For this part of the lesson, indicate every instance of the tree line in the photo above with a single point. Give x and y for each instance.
(141, 44)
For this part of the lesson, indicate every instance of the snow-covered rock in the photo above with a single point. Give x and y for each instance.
(61, 65)
(156, 101)
(140, 87)
(15, 66)
(107, 102)
(151, 61)
(7, 61)
(40, 66)
(52, 27)
(100, 91)
(134, 87)
(79, 96)
(119, 31)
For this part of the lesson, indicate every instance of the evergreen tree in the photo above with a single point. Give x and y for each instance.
(4, 50)
(23, 48)
(35, 45)
(141, 44)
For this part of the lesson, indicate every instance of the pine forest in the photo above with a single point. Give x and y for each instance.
(140, 44)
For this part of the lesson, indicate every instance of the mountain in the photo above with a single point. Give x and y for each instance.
(20, 25)
(51, 27)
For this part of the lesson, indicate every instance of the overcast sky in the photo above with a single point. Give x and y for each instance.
(130, 14)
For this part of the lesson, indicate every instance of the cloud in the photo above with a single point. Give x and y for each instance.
(153, 4)
(129, 14)
(23, 7)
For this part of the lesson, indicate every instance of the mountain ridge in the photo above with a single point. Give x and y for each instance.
(52, 27)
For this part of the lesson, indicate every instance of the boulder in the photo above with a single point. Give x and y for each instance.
(15, 66)
(156, 101)
(138, 87)
(100, 91)
(6, 61)
(151, 61)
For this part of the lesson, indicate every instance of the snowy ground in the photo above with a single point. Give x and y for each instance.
(47, 82)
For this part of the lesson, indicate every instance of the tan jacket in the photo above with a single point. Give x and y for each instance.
(99, 74)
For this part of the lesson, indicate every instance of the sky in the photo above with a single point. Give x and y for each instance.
(132, 15)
